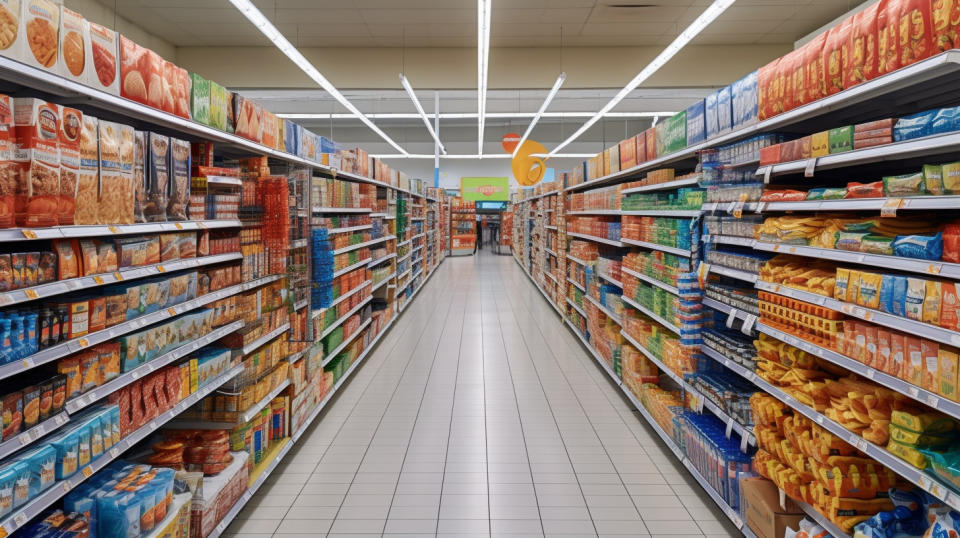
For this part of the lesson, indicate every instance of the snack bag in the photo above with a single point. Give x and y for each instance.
(38, 160)
(140, 73)
(116, 173)
(40, 24)
(915, 31)
(86, 210)
(833, 56)
(179, 179)
(861, 64)
(139, 175)
(8, 166)
(74, 44)
(71, 123)
(888, 36)
(945, 16)
(158, 177)
(815, 84)
(102, 68)
(766, 94)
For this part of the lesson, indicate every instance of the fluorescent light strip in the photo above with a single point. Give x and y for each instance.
(416, 103)
(543, 108)
(484, 7)
(708, 16)
(254, 15)
(488, 156)
(474, 115)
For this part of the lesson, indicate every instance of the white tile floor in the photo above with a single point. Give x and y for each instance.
(480, 415)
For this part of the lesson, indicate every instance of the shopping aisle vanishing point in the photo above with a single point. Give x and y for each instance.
(480, 415)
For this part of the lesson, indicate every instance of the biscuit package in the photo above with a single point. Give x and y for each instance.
(888, 30)
(833, 56)
(74, 45)
(915, 31)
(102, 69)
(860, 62)
(38, 161)
(116, 173)
(8, 168)
(71, 121)
(945, 16)
(88, 178)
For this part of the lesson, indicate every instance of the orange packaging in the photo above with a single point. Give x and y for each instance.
(166, 87)
(628, 154)
(74, 43)
(895, 364)
(813, 67)
(913, 361)
(71, 121)
(883, 350)
(931, 361)
(945, 16)
(38, 161)
(791, 67)
(641, 141)
(766, 93)
(268, 137)
(861, 60)
(915, 30)
(949, 306)
(860, 344)
(141, 74)
(8, 167)
(651, 136)
(833, 56)
(181, 92)
(871, 339)
(782, 99)
(888, 31)
(102, 69)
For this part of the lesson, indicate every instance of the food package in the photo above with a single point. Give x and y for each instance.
(10, 44)
(116, 173)
(833, 56)
(248, 117)
(167, 83)
(791, 94)
(816, 85)
(744, 101)
(931, 362)
(71, 123)
(8, 166)
(86, 210)
(268, 130)
(39, 30)
(139, 175)
(179, 179)
(102, 68)
(158, 177)
(945, 17)
(888, 36)
(74, 44)
(37, 126)
(947, 373)
(916, 31)
(199, 99)
(860, 62)
(766, 92)
(219, 97)
(141, 73)
(181, 92)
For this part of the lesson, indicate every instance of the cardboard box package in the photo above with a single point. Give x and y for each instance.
(762, 512)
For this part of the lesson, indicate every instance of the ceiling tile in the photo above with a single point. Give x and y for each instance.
(318, 16)
(628, 29)
(417, 16)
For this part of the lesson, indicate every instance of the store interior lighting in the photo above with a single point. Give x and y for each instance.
(422, 114)
(543, 108)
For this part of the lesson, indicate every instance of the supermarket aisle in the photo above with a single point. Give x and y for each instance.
(480, 415)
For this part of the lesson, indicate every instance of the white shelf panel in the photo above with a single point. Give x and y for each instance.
(594, 212)
(62, 232)
(868, 204)
(655, 246)
(346, 341)
(734, 273)
(596, 239)
(349, 229)
(650, 314)
(609, 313)
(729, 240)
(652, 281)
(343, 318)
(345, 296)
(224, 180)
(663, 213)
(667, 185)
(298, 243)
(611, 280)
(361, 245)
(729, 310)
(378, 285)
(575, 307)
(927, 267)
(26, 437)
(342, 210)
(578, 261)
(576, 285)
(345, 270)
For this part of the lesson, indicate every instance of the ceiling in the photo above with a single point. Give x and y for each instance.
(453, 23)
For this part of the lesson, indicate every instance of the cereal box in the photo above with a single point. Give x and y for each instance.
(724, 110)
(710, 121)
(102, 65)
(744, 100)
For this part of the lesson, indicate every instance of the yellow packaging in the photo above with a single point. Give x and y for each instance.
(842, 281)
(931, 422)
(820, 144)
(853, 286)
(951, 178)
(931, 302)
(184, 380)
(948, 359)
(194, 376)
(869, 290)
(911, 455)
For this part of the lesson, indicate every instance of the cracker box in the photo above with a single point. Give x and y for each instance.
(39, 33)
(696, 129)
(672, 134)
(820, 144)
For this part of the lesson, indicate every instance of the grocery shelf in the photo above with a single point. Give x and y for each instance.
(537, 284)
(418, 236)
(734, 273)
(734, 426)
(686, 154)
(610, 279)
(575, 307)
(594, 212)
(677, 378)
(349, 229)
(549, 251)
(358, 265)
(342, 210)
(364, 244)
(912, 265)
(401, 243)
(829, 526)
(578, 261)
(259, 342)
(547, 226)
(655, 246)
(382, 282)
(551, 277)
(538, 196)
(67, 232)
(224, 180)
(907, 149)
(869, 204)
(346, 341)
(650, 314)
(254, 410)
(929, 484)
(72, 346)
(609, 313)
(663, 213)
(596, 356)
(917, 328)
(405, 256)
(344, 317)
(247, 286)
(301, 304)
(59, 287)
(729, 240)
(650, 280)
(297, 356)
(596, 239)
(732, 313)
(346, 295)
(124, 379)
(667, 185)
(405, 273)
(39, 504)
(26, 437)
(298, 243)
(576, 284)
(931, 399)
(730, 207)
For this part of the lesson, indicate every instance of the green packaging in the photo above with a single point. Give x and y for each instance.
(218, 106)
(200, 99)
(672, 134)
(841, 139)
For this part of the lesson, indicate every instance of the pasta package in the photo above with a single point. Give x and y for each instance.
(116, 173)
(933, 179)
(74, 44)
(71, 122)
(39, 30)
(179, 179)
(88, 178)
(8, 166)
(37, 126)
(102, 68)
(931, 302)
(947, 373)
(913, 360)
(158, 177)
(861, 60)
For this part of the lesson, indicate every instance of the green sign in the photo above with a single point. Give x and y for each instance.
(485, 189)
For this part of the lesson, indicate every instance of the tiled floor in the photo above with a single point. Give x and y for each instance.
(480, 415)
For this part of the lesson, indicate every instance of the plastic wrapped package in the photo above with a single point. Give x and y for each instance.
(179, 174)
(116, 197)
(158, 177)
(8, 168)
(86, 210)
(38, 161)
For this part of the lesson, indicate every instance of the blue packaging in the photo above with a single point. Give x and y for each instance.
(326, 145)
(290, 136)
(8, 479)
(118, 515)
(66, 446)
(696, 128)
(946, 120)
(744, 99)
(915, 126)
(725, 109)
(21, 482)
(40, 462)
(711, 124)
(921, 247)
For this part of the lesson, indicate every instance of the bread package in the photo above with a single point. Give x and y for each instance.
(158, 178)
(71, 122)
(139, 175)
(102, 70)
(37, 126)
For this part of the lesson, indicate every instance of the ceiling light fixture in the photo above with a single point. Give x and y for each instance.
(708, 16)
(263, 24)
(543, 108)
(484, 7)
(474, 115)
(416, 103)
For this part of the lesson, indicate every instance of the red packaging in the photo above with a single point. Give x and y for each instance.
(873, 125)
(766, 92)
(916, 31)
(38, 161)
(860, 143)
(641, 139)
(833, 56)
(651, 136)
(782, 98)
(865, 190)
(793, 70)
(141, 74)
(897, 354)
(931, 364)
(875, 133)
(71, 121)
(136, 405)
(888, 49)
(813, 67)
(181, 92)
(122, 399)
(945, 15)
(167, 84)
(147, 392)
(860, 62)
(159, 394)
(628, 154)
(248, 117)
(8, 167)
(172, 385)
(770, 154)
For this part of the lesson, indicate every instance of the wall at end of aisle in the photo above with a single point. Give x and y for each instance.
(101, 14)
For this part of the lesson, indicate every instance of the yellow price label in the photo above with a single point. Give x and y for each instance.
(98, 279)
(934, 268)
(29, 234)
(83, 342)
(161, 268)
(178, 226)
(113, 229)
(87, 472)
(171, 311)
(118, 276)
(31, 293)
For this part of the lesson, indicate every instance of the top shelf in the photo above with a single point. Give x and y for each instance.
(924, 85)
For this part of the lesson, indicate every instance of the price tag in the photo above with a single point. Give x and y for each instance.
(761, 206)
(811, 166)
(87, 472)
(748, 324)
(933, 400)
(60, 420)
(114, 452)
(153, 425)
(27, 363)
(783, 499)
(25, 438)
(738, 210)
(118, 276)
(861, 444)
(820, 419)
(66, 486)
(113, 229)
(83, 342)
(161, 269)
(178, 226)
(729, 427)
(913, 391)
(766, 175)
(731, 317)
(744, 442)
(869, 373)
(171, 311)
(890, 207)
(98, 279)
(20, 519)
